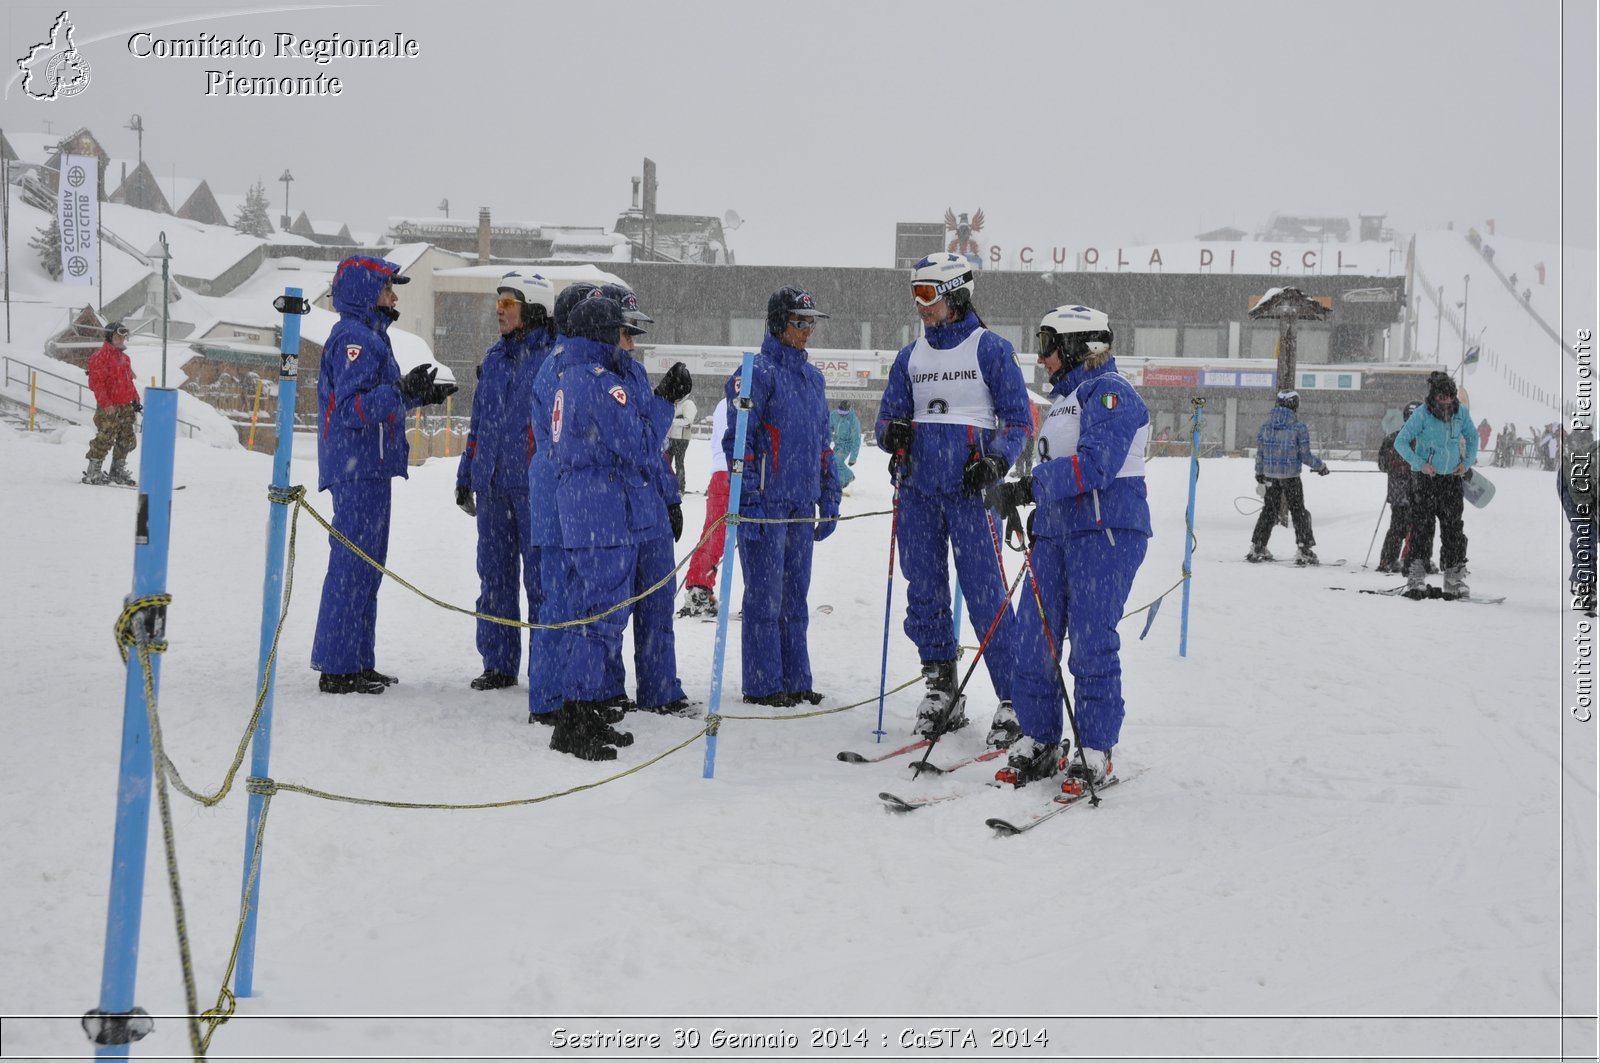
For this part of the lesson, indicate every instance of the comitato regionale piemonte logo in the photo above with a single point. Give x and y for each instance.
(54, 69)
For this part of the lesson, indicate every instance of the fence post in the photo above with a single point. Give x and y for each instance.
(730, 553)
(255, 411)
(292, 306)
(116, 1022)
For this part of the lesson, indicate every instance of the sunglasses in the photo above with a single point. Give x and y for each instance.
(804, 324)
(926, 293)
(507, 302)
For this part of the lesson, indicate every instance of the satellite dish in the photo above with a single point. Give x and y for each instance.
(731, 220)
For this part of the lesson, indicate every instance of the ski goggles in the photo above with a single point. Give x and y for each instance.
(123, 331)
(507, 302)
(926, 293)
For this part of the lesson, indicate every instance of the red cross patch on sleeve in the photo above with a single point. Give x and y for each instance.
(620, 395)
(352, 351)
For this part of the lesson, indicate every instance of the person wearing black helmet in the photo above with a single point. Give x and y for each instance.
(492, 477)
(549, 646)
(788, 474)
(1440, 444)
(116, 396)
(1283, 445)
(607, 433)
(1399, 498)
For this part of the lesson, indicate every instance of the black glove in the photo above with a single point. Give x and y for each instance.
(415, 383)
(138, 407)
(897, 435)
(676, 385)
(675, 516)
(982, 470)
(437, 393)
(1007, 495)
(1323, 471)
(464, 500)
(1260, 479)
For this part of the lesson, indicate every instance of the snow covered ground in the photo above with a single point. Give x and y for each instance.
(1359, 826)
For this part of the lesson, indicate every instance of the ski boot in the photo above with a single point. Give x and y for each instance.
(699, 603)
(350, 683)
(95, 474)
(580, 729)
(377, 676)
(119, 474)
(492, 680)
(681, 707)
(1259, 552)
(1091, 767)
(1004, 730)
(940, 711)
(1030, 761)
(1455, 582)
(1417, 580)
(1306, 556)
(776, 700)
(810, 697)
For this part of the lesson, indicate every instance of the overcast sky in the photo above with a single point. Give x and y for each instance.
(823, 124)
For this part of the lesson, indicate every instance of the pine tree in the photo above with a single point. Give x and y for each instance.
(253, 219)
(48, 243)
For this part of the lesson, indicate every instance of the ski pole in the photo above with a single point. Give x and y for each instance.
(994, 625)
(888, 598)
(1375, 532)
(1061, 681)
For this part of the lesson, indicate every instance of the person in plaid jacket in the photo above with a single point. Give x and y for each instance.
(1283, 445)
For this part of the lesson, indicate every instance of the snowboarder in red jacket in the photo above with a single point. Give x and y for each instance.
(117, 404)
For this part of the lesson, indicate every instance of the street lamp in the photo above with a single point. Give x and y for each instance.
(1438, 335)
(137, 125)
(444, 205)
(160, 251)
(285, 177)
(1466, 291)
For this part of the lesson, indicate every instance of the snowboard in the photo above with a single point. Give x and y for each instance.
(1477, 488)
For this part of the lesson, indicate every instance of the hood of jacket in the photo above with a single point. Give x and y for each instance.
(578, 349)
(784, 356)
(357, 283)
(1072, 379)
(1283, 417)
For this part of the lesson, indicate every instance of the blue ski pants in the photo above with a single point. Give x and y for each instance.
(505, 553)
(930, 526)
(655, 652)
(776, 562)
(598, 577)
(548, 649)
(1083, 580)
(347, 620)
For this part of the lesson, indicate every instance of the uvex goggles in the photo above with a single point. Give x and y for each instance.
(926, 293)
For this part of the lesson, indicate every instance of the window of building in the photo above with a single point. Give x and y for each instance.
(746, 331)
(1204, 342)
(1155, 341)
(1260, 342)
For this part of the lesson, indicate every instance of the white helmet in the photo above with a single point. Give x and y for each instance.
(945, 275)
(1076, 332)
(533, 291)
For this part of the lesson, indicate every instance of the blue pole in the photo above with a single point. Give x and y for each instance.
(271, 606)
(119, 972)
(955, 607)
(1188, 541)
(730, 547)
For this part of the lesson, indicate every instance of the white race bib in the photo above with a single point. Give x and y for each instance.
(1058, 435)
(947, 387)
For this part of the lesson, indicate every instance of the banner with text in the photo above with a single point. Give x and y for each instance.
(78, 215)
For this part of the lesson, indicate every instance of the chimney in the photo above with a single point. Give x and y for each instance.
(483, 236)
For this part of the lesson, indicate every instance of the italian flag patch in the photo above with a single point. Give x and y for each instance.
(1109, 401)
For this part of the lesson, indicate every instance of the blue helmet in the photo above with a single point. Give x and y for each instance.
(632, 315)
(596, 318)
(569, 297)
(787, 301)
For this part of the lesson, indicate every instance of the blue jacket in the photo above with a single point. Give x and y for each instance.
(666, 480)
(939, 452)
(361, 430)
(500, 441)
(606, 439)
(1426, 440)
(1283, 444)
(545, 527)
(1081, 492)
(788, 451)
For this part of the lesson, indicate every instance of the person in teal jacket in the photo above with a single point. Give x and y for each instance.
(845, 428)
(1440, 443)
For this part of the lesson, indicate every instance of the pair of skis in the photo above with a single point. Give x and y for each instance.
(1059, 802)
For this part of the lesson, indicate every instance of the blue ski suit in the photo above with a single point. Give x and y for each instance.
(607, 433)
(547, 647)
(788, 473)
(361, 447)
(935, 512)
(1092, 526)
(494, 464)
(655, 650)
